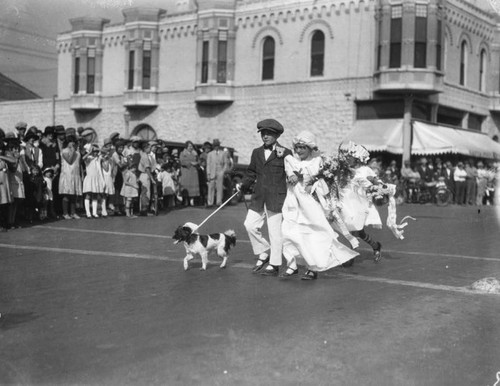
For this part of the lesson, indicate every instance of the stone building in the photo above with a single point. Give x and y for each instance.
(383, 71)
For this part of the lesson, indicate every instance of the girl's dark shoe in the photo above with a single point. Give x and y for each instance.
(273, 271)
(260, 264)
(309, 275)
(348, 263)
(377, 253)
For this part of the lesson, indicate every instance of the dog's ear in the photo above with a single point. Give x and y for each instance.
(188, 230)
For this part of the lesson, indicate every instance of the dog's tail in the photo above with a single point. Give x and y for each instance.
(230, 239)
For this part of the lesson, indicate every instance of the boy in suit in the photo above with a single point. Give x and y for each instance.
(267, 171)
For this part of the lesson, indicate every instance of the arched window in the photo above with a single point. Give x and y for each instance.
(463, 62)
(317, 53)
(482, 70)
(268, 59)
(145, 132)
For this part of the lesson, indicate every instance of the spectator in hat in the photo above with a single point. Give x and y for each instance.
(120, 165)
(459, 176)
(87, 135)
(189, 181)
(16, 172)
(146, 179)
(470, 183)
(482, 182)
(60, 134)
(107, 167)
(32, 153)
(133, 146)
(70, 181)
(207, 148)
(114, 136)
(52, 159)
(21, 130)
(34, 161)
(5, 192)
(267, 172)
(217, 165)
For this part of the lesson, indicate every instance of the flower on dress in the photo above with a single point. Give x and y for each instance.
(280, 151)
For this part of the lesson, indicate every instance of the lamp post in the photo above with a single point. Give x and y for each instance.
(126, 117)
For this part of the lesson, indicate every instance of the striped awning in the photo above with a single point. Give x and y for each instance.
(427, 139)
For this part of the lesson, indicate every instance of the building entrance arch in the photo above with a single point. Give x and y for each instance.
(145, 131)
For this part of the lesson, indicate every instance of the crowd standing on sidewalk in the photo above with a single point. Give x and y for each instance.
(470, 181)
(59, 173)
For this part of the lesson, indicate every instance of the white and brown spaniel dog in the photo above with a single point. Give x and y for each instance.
(204, 244)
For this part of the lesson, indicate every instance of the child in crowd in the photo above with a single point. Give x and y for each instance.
(130, 189)
(39, 187)
(167, 180)
(109, 185)
(48, 196)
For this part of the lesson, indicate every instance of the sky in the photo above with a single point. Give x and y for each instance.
(29, 28)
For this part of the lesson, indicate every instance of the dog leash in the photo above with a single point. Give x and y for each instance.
(216, 210)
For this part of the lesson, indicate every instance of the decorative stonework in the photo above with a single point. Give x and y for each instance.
(274, 32)
(307, 12)
(313, 23)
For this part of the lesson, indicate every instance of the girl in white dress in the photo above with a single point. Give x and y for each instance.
(307, 235)
(356, 207)
(93, 183)
(70, 180)
(107, 166)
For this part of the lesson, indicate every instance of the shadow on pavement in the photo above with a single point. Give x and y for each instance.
(8, 321)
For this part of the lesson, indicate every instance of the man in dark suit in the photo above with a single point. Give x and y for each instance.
(267, 172)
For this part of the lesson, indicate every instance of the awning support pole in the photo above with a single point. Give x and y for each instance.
(407, 128)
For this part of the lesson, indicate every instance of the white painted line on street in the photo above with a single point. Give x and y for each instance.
(438, 287)
(433, 254)
(112, 232)
(430, 254)
(86, 252)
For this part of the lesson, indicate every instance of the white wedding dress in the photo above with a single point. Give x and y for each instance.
(307, 235)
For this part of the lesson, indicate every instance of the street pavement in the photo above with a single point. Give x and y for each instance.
(107, 302)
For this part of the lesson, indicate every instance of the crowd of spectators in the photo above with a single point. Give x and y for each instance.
(60, 174)
(469, 181)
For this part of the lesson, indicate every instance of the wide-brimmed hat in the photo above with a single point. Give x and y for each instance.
(120, 142)
(60, 130)
(21, 125)
(49, 130)
(114, 136)
(107, 141)
(31, 133)
(87, 131)
(70, 131)
(270, 124)
(216, 142)
(135, 138)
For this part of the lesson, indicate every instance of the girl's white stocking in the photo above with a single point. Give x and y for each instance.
(87, 207)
